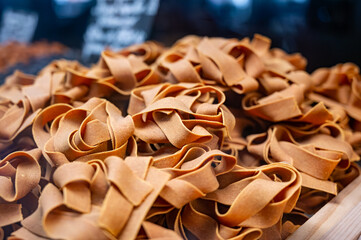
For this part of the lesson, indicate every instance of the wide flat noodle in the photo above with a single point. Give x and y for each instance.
(148, 51)
(238, 65)
(195, 175)
(339, 87)
(19, 105)
(265, 187)
(123, 71)
(203, 219)
(195, 221)
(19, 175)
(319, 149)
(179, 114)
(71, 133)
(88, 197)
(223, 139)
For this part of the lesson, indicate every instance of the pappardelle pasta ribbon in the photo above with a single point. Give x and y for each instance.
(211, 138)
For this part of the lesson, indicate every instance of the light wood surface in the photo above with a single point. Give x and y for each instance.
(340, 219)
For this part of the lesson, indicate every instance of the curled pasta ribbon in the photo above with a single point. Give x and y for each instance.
(21, 98)
(102, 200)
(95, 129)
(193, 171)
(121, 73)
(296, 59)
(148, 51)
(274, 80)
(196, 221)
(315, 149)
(207, 62)
(273, 189)
(182, 45)
(19, 175)
(195, 174)
(226, 212)
(288, 104)
(225, 62)
(339, 87)
(236, 145)
(59, 79)
(340, 83)
(279, 106)
(312, 200)
(71, 83)
(179, 114)
(281, 73)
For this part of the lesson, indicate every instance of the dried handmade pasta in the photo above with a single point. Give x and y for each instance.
(21, 98)
(70, 82)
(19, 175)
(339, 87)
(193, 222)
(123, 73)
(315, 149)
(87, 199)
(148, 51)
(211, 138)
(195, 175)
(179, 114)
(238, 65)
(227, 212)
(71, 133)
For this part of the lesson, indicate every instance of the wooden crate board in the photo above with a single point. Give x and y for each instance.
(338, 220)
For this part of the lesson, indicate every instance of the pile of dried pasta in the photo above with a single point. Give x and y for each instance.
(211, 138)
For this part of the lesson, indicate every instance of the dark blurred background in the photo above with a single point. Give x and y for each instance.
(326, 32)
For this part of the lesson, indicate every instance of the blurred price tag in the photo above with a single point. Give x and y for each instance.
(117, 24)
(18, 25)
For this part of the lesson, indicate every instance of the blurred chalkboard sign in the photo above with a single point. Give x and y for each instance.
(18, 25)
(118, 23)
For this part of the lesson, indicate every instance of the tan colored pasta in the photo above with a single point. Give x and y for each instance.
(71, 134)
(19, 174)
(211, 138)
(179, 114)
